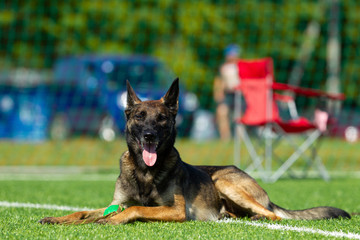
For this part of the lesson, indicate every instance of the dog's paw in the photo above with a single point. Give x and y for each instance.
(258, 217)
(109, 221)
(101, 221)
(48, 220)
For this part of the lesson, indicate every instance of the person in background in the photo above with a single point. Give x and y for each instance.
(224, 95)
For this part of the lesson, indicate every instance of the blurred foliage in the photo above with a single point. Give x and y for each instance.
(188, 35)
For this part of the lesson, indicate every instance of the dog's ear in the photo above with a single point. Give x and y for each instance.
(132, 99)
(171, 98)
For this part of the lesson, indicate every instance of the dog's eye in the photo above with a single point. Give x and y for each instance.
(161, 117)
(140, 116)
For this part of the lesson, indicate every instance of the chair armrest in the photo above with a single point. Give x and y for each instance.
(307, 91)
(283, 98)
(287, 101)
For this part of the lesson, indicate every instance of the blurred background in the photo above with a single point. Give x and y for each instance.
(63, 67)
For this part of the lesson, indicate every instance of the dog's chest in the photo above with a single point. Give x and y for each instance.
(146, 190)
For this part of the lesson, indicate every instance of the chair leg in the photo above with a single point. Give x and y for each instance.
(322, 170)
(295, 156)
(292, 143)
(237, 146)
(268, 149)
(320, 166)
(256, 159)
(310, 161)
(237, 135)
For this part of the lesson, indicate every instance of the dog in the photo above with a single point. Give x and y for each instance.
(156, 185)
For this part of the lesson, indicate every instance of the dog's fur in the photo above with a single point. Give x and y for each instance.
(155, 185)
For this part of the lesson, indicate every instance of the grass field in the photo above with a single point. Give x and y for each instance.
(337, 154)
(21, 222)
(52, 176)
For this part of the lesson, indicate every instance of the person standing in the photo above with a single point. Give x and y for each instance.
(224, 85)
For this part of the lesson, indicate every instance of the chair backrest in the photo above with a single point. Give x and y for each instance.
(256, 79)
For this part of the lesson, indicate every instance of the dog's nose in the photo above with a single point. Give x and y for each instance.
(149, 136)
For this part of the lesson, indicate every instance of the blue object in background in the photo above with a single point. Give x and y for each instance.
(31, 117)
(6, 112)
(86, 95)
(24, 114)
(99, 84)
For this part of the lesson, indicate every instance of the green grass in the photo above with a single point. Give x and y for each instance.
(21, 223)
(89, 189)
(337, 154)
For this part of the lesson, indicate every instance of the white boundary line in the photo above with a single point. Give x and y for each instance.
(58, 177)
(294, 229)
(41, 206)
(255, 224)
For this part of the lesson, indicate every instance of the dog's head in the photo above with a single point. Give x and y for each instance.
(150, 126)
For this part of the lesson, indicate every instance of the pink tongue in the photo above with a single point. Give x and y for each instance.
(149, 154)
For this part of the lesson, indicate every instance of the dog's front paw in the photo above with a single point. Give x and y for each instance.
(102, 221)
(111, 221)
(48, 220)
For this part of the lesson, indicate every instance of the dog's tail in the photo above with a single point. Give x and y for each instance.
(310, 214)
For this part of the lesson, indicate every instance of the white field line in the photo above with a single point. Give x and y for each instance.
(57, 177)
(294, 229)
(255, 224)
(42, 206)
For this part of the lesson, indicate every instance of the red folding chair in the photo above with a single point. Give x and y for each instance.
(257, 87)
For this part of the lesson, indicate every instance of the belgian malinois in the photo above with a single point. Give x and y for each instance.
(156, 185)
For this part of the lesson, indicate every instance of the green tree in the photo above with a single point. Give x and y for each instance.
(188, 35)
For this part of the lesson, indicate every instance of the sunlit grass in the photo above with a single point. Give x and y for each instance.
(21, 223)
